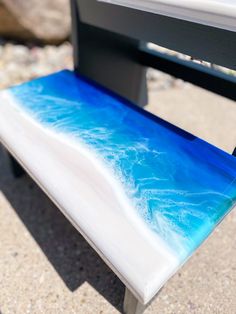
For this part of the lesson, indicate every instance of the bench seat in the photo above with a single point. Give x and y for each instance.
(216, 13)
(144, 193)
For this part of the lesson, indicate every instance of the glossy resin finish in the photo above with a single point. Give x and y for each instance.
(144, 193)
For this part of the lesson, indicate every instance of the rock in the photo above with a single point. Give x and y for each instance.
(46, 20)
(9, 26)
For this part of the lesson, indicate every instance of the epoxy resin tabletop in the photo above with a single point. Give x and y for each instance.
(144, 193)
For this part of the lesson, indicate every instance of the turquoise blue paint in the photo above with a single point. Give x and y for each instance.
(180, 185)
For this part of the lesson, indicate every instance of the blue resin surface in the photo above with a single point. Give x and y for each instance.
(180, 185)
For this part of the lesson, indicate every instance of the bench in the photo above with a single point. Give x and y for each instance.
(144, 193)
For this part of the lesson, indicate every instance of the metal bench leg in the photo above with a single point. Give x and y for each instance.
(132, 305)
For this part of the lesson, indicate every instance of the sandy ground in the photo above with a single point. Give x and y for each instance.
(47, 267)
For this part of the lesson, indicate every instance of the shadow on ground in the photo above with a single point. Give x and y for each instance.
(70, 255)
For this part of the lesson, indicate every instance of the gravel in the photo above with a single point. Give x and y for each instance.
(19, 63)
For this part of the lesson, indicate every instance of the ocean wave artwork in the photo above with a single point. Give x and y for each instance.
(180, 186)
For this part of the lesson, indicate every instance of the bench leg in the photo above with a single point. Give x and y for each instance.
(132, 305)
(234, 152)
(109, 59)
(16, 168)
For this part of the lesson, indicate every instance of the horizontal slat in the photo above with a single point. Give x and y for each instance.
(202, 76)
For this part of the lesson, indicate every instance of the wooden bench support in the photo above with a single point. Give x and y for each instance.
(109, 59)
(16, 168)
(234, 152)
(131, 304)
